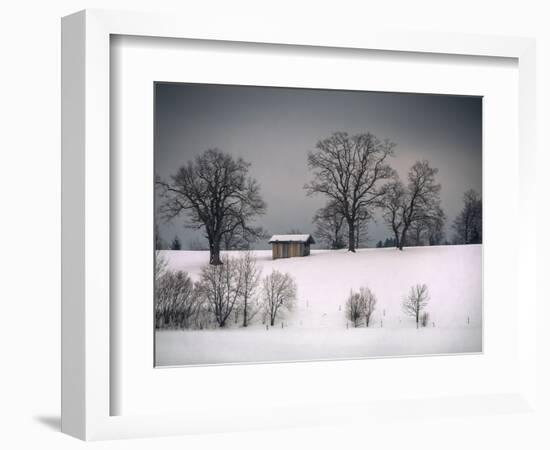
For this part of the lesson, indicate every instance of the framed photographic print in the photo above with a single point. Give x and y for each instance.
(286, 230)
(323, 207)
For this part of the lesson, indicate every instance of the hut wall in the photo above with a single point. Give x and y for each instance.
(289, 249)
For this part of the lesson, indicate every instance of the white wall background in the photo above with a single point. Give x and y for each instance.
(30, 199)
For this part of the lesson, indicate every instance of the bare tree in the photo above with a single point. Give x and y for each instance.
(221, 287)
(218, 196)
(468, 224)
(418, 202)
(369, 300)
(279, 292)
(250, 278)
(394, 209)
(349, 170)
(415, 302)
(330, 226)
(355, 308)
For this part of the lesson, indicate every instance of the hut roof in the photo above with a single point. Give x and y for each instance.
(305, 238)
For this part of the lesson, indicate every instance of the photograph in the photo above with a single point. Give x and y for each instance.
(300, 224)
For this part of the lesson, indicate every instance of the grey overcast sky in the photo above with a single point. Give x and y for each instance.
(274, 128)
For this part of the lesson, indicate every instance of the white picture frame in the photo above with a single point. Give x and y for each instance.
(87, 355)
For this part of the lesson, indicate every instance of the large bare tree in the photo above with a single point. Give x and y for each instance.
(217, 195)
(349, 171)
(419, 201)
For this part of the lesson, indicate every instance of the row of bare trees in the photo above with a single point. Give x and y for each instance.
(360, 305)
(229, 293)
(414, 209)
(349, 171)
(354, 174)
(217, 195)
(467, 227)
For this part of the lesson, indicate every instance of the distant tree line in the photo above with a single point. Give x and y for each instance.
(354, 174)
(232, 293)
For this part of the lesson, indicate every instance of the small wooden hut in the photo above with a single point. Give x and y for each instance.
(290, 245)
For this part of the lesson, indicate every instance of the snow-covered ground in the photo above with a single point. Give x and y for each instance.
(317, 328)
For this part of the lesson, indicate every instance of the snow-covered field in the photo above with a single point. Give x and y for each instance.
(317, 328)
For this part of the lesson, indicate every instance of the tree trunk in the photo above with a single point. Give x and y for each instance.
(245, 313)
(215, 259)
(401, 243)
(351, 236)
(272, 321)
(397, 240)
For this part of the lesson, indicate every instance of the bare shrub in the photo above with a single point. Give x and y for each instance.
(369, 300)
(279, 293)
(176, 301)
(360, 305)
(355, 308)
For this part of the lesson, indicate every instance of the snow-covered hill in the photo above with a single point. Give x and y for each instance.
(318, 329)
